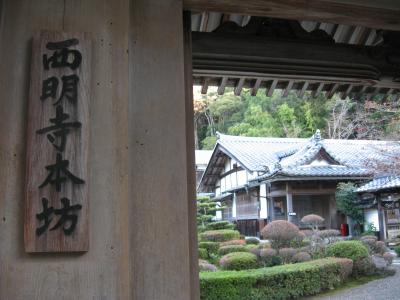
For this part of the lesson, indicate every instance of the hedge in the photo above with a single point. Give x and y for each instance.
(211, 247)
(203, 253)
(280, 282)
(219, 235)
(231, 248)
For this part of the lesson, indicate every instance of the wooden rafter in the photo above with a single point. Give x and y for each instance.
(368, 13)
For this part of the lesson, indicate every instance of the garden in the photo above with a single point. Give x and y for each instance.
(287, 263)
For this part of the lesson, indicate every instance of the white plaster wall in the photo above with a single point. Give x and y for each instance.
(263, 201)
(371, 216)
(242, 177)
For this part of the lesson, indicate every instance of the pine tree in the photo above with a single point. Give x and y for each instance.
(206, 211)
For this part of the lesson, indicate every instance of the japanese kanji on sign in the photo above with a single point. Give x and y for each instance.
(57, 206)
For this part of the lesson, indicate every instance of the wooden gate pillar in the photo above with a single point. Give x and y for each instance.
(142, 236)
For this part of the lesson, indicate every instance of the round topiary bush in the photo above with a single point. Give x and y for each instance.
(252, 241)
(301, 257)
(287, 254)
(231, 248)
(219, 235)
(233, 242)
(313, 221)
(238, 261)
(203, 253)
(280, 233)
(205, 266)
(354, 250)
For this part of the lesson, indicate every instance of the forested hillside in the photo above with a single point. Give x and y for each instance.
(263, 116)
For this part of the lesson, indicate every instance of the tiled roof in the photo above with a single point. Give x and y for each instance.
(318, 171)
(256, 152)
(291, 156)
(380, 183)
(279, 158)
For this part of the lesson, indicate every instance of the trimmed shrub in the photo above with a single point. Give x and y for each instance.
(205, 266)
(231, 248)
(238, 261)
(264, 245)
(380, 247)
(211, 247)
(298, 241)
(233, 242)
(253, 249)
(280, 233)
(269, 257)
(346, 268)
(374, 246)
(219, 235)
(268, 252)
(307, 232)
(203, 253)
(388, 257)
(281, 282)
(313, 221)
(252, 241)
(364, 266)
(353, 250)
(220, 225)
(369, 237)
(370, 243)
(301, 257)
(286, 254)
(397, 250)
(328, 233)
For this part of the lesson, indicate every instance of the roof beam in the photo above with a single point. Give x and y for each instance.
(221, 87)
(272, 88)
(239, 86)
(366, 13)
(303, 89)
(256, 87)
(223, 54)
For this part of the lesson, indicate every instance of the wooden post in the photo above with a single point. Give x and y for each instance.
(104, 271)
(162, 261)
(142, 233)
(381, 218)
(191, 172)
(271, 210)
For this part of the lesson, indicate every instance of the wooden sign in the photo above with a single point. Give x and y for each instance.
(56, 204)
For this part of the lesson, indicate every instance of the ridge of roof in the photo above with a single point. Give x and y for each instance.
(226, 137)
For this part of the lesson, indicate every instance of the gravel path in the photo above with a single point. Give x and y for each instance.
(382, 289)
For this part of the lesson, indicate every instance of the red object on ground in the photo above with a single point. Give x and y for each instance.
(344, 229)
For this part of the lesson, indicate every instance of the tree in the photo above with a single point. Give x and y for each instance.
(206, 210)
(346, 202)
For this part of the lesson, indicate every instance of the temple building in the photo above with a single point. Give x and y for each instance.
(265, 179)
(380, 199)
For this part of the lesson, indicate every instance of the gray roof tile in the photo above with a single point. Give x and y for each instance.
(380, 183)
